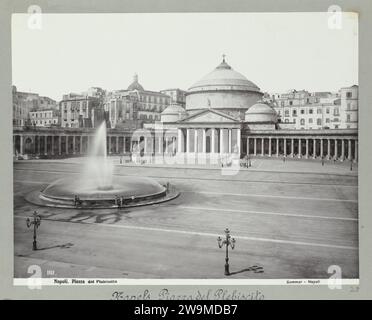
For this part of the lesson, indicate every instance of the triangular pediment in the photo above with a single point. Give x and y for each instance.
(210, 115)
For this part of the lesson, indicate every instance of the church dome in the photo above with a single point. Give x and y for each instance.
(135, 84)
(173, 113)
(224, 89)
(261, 112)
(223, 77)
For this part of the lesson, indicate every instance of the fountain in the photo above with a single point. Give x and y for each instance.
(97, 187)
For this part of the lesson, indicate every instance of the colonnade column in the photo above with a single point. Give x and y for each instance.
(328, 149)
(66, 146)
(307, 148)
(52, 145)
(349, 150)
(59, 145)
(321, 148)
(336, 149)
(292, 147)
(277, 147)
(45, 145)
(21, 144)
(342, 150)
(255, 146)
(262, 146)
(356, 151)
(299, 148)
(81, 145)
(247, 145)
(285, 146)
(270, 147)
(117, 144)
(74, 146)
(314, 148)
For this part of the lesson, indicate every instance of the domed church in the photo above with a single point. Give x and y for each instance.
(218, 108)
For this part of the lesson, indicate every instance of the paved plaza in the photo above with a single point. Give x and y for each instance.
(290, 219)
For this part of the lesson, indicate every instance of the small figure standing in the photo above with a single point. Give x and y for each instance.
(76, 200)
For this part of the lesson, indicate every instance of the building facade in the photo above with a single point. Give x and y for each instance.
(44, 118)
(25, 102)
(79, 111)
(177, 96)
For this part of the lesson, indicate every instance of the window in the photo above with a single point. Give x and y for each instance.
(286, 113)
(348, 118)
(348, 107)
(286, 121)
(327, 110)
(311, 111)
(290, 102)
(310, 120)
(294, 113)
(319, 111)
(336, 126)
(348, 94)
(336, 120)
(327, 120)
(302, 122)
(319, 122)
(336, 112)
(302, 111)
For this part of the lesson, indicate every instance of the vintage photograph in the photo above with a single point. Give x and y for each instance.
(185, 146)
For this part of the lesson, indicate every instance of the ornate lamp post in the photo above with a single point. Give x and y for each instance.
(35, 220)
(228, 241)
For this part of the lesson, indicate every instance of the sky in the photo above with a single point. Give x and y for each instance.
(276, 51)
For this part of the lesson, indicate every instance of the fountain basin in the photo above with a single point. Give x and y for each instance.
(134, 191)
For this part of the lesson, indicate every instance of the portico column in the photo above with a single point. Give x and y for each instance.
(238, 138)
(349, 150)
(145, 145)
(59, 145)
(277, 147)
(179, 140)
(336, 151)
(124, 146)
(196, 141)
(321, 148)
(73, 144)
(292, 147)
(247, 145)
(307, 148)
(213, 132)
(255, 146)
(160, 144)
(270, 147)
(204, 141)
(230, 139)
(299, 148)
(221, 141)
(328, 149)
(45, 145)
(342, 150)
(187, 140)
(117, 144)
(262, 146)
